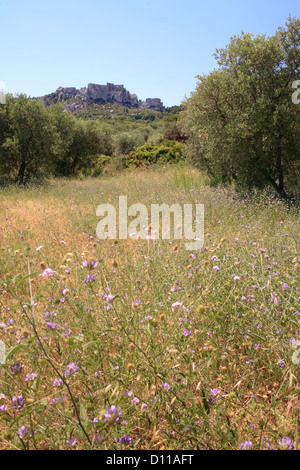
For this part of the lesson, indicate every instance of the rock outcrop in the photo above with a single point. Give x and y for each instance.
(100, 94)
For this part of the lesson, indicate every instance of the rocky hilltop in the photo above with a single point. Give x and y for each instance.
(100, 94)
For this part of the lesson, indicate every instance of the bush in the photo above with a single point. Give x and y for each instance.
(167, 152)
(96, 167)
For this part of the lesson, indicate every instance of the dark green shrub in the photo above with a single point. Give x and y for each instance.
(166, 152)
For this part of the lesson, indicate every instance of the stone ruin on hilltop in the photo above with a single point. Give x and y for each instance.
(101, 94)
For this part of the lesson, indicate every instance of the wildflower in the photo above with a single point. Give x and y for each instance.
(23, 430)
(71, 369)
(247, 445)
(110, 298)
(90, 264)
(136, 400)
(187, 332)
(285, 286)
(57, 382)
(16, 368)
(166, 386)
(71, 442)
(18, 402)
(51, 325)
(280, 362)
(112, 414)
(39, 247)
(30, 377)
(236, 278)
(177, 304)
(216, 268)
(57, 400)
(67, 333)
(49, 315)
(126, 439)
(90, 278)
(285, 443)
(48, 272)
(3, 408)
(214, 395)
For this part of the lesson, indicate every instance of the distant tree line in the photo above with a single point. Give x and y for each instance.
(38, 141)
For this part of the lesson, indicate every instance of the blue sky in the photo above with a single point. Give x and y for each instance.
(155, 48)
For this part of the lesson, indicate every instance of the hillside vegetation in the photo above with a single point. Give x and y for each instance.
(139, 343)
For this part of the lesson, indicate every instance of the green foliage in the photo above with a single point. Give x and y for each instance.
(90, 139)
(40, 139)
(94, 165)
(36, 141)
(241, 121)
(125, 142)
(167, 152)
(29, 139)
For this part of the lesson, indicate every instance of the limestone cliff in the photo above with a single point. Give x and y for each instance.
(100, 94)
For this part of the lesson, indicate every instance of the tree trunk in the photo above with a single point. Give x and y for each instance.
(21, 174)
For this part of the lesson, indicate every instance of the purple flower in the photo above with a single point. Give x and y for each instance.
(71, 369)
(51, 325)
(16, 368)
(23, 430)
(49, 315)
(149, 317)
(110, 298)
(247, 445)
(18, 402)
(126, 439)
(48, 272)
(30, 377)
(285, 443)
(177, 304)
(112, 414)
(280, 362)
(166, 386)
(216, 268)
(136, 400)
(90, 278)
(57, 382)
(3, 408)
(71, 442)
(214, 395)
(187, 332)
(90, 264)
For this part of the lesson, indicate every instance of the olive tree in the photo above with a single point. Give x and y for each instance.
(241, 121)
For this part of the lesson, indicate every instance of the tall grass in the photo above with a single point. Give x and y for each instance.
(147, 345)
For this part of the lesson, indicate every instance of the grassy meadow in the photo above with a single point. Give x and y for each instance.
(141, 344)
